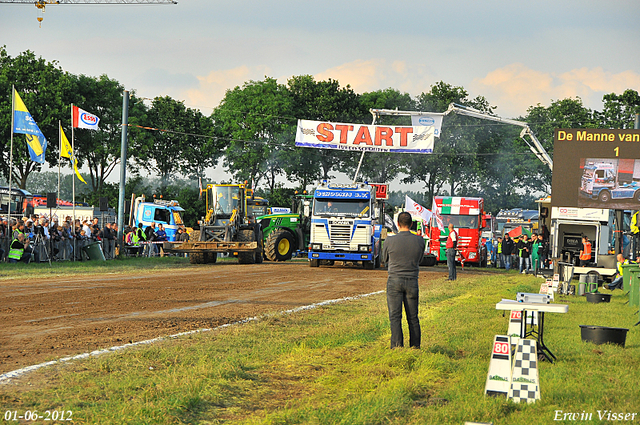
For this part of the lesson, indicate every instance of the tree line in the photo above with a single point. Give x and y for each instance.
(251, 134)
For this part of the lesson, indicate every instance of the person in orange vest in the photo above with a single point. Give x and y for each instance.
(585, 252)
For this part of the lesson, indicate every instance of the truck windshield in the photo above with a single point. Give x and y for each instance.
(341, 207)
(461, 221)
(177, 217)
(224, 199)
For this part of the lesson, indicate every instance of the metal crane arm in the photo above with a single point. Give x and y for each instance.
(41, 3)
(536, 147)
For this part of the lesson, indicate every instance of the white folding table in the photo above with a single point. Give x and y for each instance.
(541, 308)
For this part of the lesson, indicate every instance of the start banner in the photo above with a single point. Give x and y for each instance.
(362, 137)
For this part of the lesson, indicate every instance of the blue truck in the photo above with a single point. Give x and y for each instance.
(344, 225)
(167, 213)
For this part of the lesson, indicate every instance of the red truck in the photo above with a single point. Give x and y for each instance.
(468, 219)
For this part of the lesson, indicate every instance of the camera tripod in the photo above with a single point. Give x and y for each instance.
(40, 241)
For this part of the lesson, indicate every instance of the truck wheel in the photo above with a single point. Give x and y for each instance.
(280, 245)
(196, 257)
(376, 263)
(604, 196)
(368, 265)
(428, 261)
(637, 195)
(246, 257)
(314, 263)
(210, 257)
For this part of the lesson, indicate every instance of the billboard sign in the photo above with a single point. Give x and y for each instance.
(596, 168)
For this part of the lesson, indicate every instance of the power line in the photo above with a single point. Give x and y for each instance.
(289, 147)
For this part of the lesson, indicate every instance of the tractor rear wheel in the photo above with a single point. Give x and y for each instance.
(280, 245)
(260, 255)
(246, 257)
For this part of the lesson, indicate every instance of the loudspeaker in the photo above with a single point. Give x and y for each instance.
(104, 204)
(52, 200)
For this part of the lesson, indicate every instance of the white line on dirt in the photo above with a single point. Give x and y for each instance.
(7, 377)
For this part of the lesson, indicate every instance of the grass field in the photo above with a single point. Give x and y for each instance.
(332, 365)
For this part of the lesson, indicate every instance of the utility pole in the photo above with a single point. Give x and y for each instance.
(123, 167)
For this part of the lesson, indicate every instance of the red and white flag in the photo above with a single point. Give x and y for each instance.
(416, 210)
(436, 214)
(83, 119)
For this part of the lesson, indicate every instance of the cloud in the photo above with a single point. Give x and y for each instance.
(213, 87)
(376, 74)
(515, 87)
(161, 78)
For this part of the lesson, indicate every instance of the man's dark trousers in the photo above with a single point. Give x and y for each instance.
(403, 291)
(451, 263)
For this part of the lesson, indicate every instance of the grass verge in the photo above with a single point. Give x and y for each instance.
(332, 365)
(67, 268)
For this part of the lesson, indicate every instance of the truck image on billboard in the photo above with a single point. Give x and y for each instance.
(607, 180)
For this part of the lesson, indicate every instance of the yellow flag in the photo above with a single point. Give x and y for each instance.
(65, 149)
(75, 167)
(67, 152)
(34, 144)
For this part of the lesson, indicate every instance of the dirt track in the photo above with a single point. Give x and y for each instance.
(55, 317)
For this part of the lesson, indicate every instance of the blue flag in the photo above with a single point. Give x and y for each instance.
(24, 123)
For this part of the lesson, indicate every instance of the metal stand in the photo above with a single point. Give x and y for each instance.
(40, 241)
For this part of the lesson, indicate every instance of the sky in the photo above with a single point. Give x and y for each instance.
(515, 54)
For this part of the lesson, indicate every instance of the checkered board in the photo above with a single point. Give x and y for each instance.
(525, 385)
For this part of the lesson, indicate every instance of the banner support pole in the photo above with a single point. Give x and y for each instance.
(355, 177)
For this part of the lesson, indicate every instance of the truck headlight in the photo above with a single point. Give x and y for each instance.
(316, 247)
(364, 248)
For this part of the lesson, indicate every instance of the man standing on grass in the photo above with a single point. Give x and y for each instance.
(451, 245)
(402, 254)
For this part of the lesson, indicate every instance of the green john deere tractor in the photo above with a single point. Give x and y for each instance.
(287, 233)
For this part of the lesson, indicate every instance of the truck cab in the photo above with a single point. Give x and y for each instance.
(167, 213)
(344, 225)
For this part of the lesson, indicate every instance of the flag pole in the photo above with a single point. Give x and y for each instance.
(13, 108)
(60, 153)
(73, 185)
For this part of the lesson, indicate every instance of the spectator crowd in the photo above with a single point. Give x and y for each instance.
(40, 239)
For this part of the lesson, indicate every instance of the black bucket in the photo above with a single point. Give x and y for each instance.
(603, 335)
(596, 297)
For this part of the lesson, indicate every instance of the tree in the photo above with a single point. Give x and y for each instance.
(383, 167)
(543, 121)
(321, 101)
(100, 150)
(183, 142)
(455, 161)
(254, 120)
(41, 85)
(620, 110)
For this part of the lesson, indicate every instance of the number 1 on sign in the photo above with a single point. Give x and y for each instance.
(617, 150)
